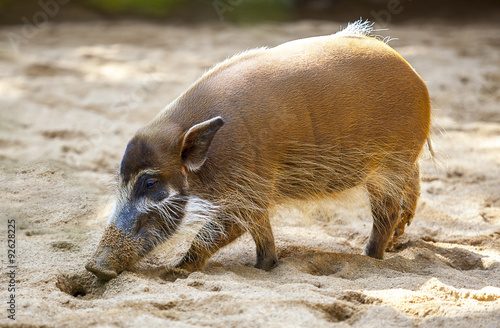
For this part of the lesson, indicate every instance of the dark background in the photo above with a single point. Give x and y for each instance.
(254, 11)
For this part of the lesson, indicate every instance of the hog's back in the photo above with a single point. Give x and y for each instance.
(314, 114)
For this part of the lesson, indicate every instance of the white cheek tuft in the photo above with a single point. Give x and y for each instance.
(172, 192)
(199, 214)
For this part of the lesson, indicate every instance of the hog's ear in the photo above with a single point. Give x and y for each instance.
(196, 142)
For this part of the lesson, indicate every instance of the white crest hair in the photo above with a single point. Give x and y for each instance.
(356, 29)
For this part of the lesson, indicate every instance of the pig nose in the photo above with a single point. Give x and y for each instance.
(99, 265)
(100, 272)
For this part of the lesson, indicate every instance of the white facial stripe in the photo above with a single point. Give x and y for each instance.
(146, 205)
(131, 183)
(125, 191)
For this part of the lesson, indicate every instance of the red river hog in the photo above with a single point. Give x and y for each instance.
(304, 120)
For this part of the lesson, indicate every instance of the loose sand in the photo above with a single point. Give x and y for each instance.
(75, 93)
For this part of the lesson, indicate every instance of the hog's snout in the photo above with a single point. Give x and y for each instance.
(100, 272)
(101, 264)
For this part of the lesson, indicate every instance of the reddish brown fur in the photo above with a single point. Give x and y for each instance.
(308, 118)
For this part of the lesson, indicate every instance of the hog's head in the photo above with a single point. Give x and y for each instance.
(153, 193)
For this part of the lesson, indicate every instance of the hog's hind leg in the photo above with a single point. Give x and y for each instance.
(385, 201)
(409, 201)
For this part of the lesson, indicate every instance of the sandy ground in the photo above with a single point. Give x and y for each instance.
(73, 95)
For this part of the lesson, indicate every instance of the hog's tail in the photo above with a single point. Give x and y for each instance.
(429, 145)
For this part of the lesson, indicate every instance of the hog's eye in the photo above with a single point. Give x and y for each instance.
(150, 183)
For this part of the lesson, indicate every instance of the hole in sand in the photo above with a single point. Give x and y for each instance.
(80, 293)
(82, 286)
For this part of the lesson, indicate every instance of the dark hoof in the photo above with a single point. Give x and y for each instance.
(375, 253)
(101, 273)
(266, 265)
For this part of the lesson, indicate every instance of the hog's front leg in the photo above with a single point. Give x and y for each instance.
(208, 241)
(262, 234)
